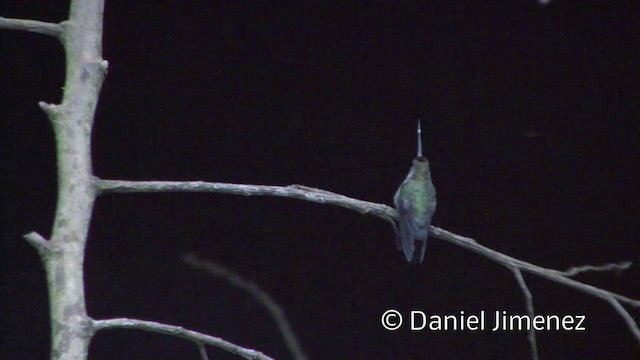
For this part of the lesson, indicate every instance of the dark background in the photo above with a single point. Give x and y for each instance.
(530, 124)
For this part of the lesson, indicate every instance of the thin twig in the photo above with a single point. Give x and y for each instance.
(203, 351)
(178, 331)
(626, 317)
(575, 270)
(275, 310)
(34, 26)
(531, 336)
(385, 212)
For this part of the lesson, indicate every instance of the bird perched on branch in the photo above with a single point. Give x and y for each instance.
(415, 202)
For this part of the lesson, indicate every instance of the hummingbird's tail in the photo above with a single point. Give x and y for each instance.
(419, 248)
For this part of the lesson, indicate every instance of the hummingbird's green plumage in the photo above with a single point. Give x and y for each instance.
(415, 202)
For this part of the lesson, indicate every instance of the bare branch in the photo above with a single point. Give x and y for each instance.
(203, 351)
(292, 191)
(385, 212)
(52, 110)
(530, 311)
(38, 242)
(572, 271)
(506, 260)
(276, 312)
(72, 127)
(34, 26)
(178, 331)
(633, 327)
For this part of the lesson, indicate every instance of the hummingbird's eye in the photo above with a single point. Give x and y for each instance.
(421, 159)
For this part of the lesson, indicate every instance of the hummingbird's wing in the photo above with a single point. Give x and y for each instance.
(406, 236)
(412, 236)
(406, 225)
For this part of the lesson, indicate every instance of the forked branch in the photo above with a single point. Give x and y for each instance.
(389, 214)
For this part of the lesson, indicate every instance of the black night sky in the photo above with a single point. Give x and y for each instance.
(530, 117)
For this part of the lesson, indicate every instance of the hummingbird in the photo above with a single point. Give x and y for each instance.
(415, 202)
